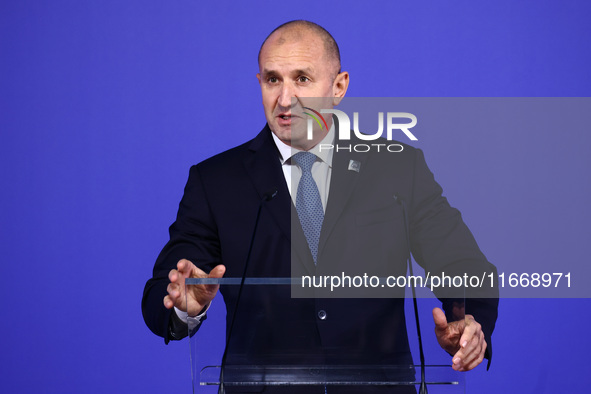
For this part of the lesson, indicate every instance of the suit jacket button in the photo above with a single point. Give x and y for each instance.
(321, 314)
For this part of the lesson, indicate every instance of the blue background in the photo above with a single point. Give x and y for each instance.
(104, 105)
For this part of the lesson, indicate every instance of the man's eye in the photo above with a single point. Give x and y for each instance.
(273, 80)
(303, 79)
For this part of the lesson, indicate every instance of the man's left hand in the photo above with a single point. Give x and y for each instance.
(463, 339)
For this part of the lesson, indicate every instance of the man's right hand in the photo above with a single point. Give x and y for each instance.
(199, 296)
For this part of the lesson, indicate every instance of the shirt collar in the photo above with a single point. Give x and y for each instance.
(286, 151)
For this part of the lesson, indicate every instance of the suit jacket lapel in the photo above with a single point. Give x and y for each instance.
(342, 184)
(264, 168)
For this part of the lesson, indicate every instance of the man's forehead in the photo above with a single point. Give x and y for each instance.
(287, 50)
(290, 56)
(294, 40)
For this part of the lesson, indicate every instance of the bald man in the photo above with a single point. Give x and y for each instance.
(212, 232)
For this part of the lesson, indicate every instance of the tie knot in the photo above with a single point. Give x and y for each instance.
(304, 160)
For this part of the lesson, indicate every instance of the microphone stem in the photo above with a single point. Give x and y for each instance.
(423, 386)
(268, 196)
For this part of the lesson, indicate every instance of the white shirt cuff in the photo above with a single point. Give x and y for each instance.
(192, 322)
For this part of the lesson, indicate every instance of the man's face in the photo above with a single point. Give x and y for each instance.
(296, 68)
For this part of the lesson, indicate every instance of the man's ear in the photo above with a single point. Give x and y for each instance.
(339, 87)
(259, 77)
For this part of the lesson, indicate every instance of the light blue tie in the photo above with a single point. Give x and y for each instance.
(308, 203)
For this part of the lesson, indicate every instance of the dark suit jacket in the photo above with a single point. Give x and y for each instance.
(363, 232)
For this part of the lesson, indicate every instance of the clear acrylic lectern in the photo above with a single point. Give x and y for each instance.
(261, 349)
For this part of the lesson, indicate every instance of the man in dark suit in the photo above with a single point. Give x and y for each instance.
(212, 232)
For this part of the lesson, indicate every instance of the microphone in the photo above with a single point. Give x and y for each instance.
(267, 196)
(400, 201)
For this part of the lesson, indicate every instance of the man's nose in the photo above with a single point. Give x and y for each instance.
(285, 96)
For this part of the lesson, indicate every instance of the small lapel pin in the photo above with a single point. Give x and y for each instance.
(354, 165)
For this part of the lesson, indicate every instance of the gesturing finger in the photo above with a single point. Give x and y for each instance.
(472, 346)
(439, 319)
(173, 290)
(471, 329)
(184, 267)
(168, 302)
(475, 351)
(173, 276)
(475, 358)
(217, 272)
